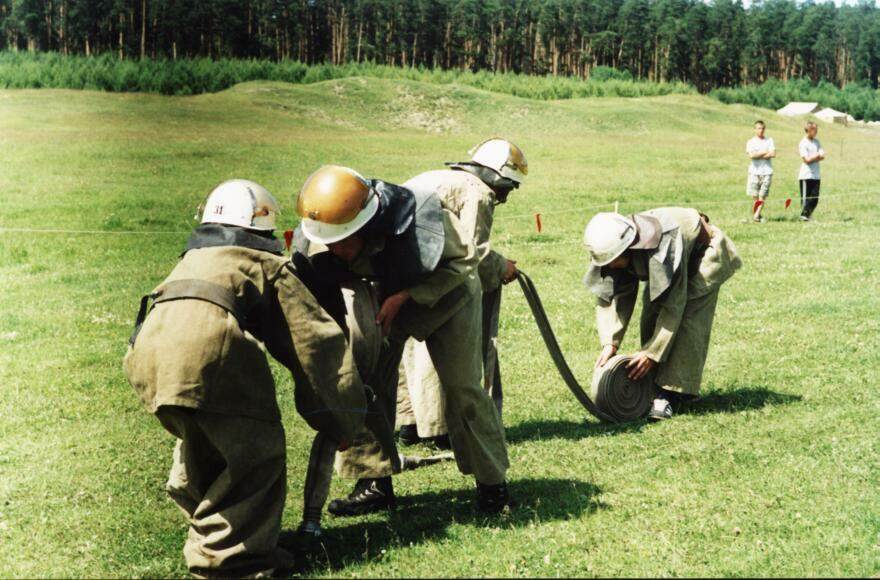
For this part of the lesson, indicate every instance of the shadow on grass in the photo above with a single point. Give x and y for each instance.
(795, 218)
(730, 401)
(426, 517)
(540, 429)
(737, 400)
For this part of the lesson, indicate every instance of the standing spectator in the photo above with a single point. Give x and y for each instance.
(760, 150)
(811, 153)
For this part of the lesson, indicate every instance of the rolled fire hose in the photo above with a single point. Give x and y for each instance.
(618, 395)
(616, 398)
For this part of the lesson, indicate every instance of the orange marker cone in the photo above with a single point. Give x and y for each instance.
(288, 239)
(787, 203)
(538, 222)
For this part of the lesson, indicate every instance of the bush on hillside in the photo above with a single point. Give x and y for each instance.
(859, 100)
(202, 75)
(607, 73)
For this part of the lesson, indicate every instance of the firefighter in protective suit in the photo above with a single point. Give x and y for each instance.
(470, 190)
(197, 359)
(683, 261)
(422, 265)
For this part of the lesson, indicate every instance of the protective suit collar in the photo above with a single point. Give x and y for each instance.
(213, 235)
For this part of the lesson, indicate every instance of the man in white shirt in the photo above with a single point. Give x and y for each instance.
(760, 150)
(811, 153)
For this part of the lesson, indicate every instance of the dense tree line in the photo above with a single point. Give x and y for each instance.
(716, 44)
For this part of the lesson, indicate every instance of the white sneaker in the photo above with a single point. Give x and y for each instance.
(804, 218)
(661, 410)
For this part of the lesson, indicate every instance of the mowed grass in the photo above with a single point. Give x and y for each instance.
(774, 472)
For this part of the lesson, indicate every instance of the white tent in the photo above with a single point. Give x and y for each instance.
(795, 109)
(829, 115)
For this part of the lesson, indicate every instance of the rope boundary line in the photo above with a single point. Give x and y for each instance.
(612, 205)
(616, 203)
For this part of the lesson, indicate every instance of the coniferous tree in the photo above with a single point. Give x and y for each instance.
(716, 44)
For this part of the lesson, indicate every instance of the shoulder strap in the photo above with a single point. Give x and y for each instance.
(141, 316)
(189, 289)
(196, 289)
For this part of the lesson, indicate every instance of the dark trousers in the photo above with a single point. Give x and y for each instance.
(809, 196)
(491, 366)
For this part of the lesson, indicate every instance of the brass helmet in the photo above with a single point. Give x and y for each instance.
(502, 156)
(334, 203)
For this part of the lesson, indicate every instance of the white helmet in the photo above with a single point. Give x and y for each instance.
(503, 156)
(239, 202)
(607, 236)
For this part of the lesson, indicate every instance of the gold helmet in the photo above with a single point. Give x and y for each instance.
(334, 203)
(503, 156)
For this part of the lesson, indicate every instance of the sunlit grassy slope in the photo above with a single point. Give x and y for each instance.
(775, 471)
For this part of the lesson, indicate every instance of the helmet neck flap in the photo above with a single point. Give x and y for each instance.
(502, 186)
(213, 235)
(396, 213)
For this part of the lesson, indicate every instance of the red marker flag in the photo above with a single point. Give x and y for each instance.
(758, 204)
(787, 203)
(288, 239)
(538, 222)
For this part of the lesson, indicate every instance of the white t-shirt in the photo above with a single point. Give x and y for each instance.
(808, 148)
(758, 145)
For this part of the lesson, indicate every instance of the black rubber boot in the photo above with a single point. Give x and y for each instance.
(494, 499)
(306, 540)
(409, 435)
(442, 442)
(369, 495)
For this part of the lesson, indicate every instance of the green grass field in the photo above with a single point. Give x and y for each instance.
(775, 471)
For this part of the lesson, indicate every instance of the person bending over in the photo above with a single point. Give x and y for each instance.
(682, 260)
